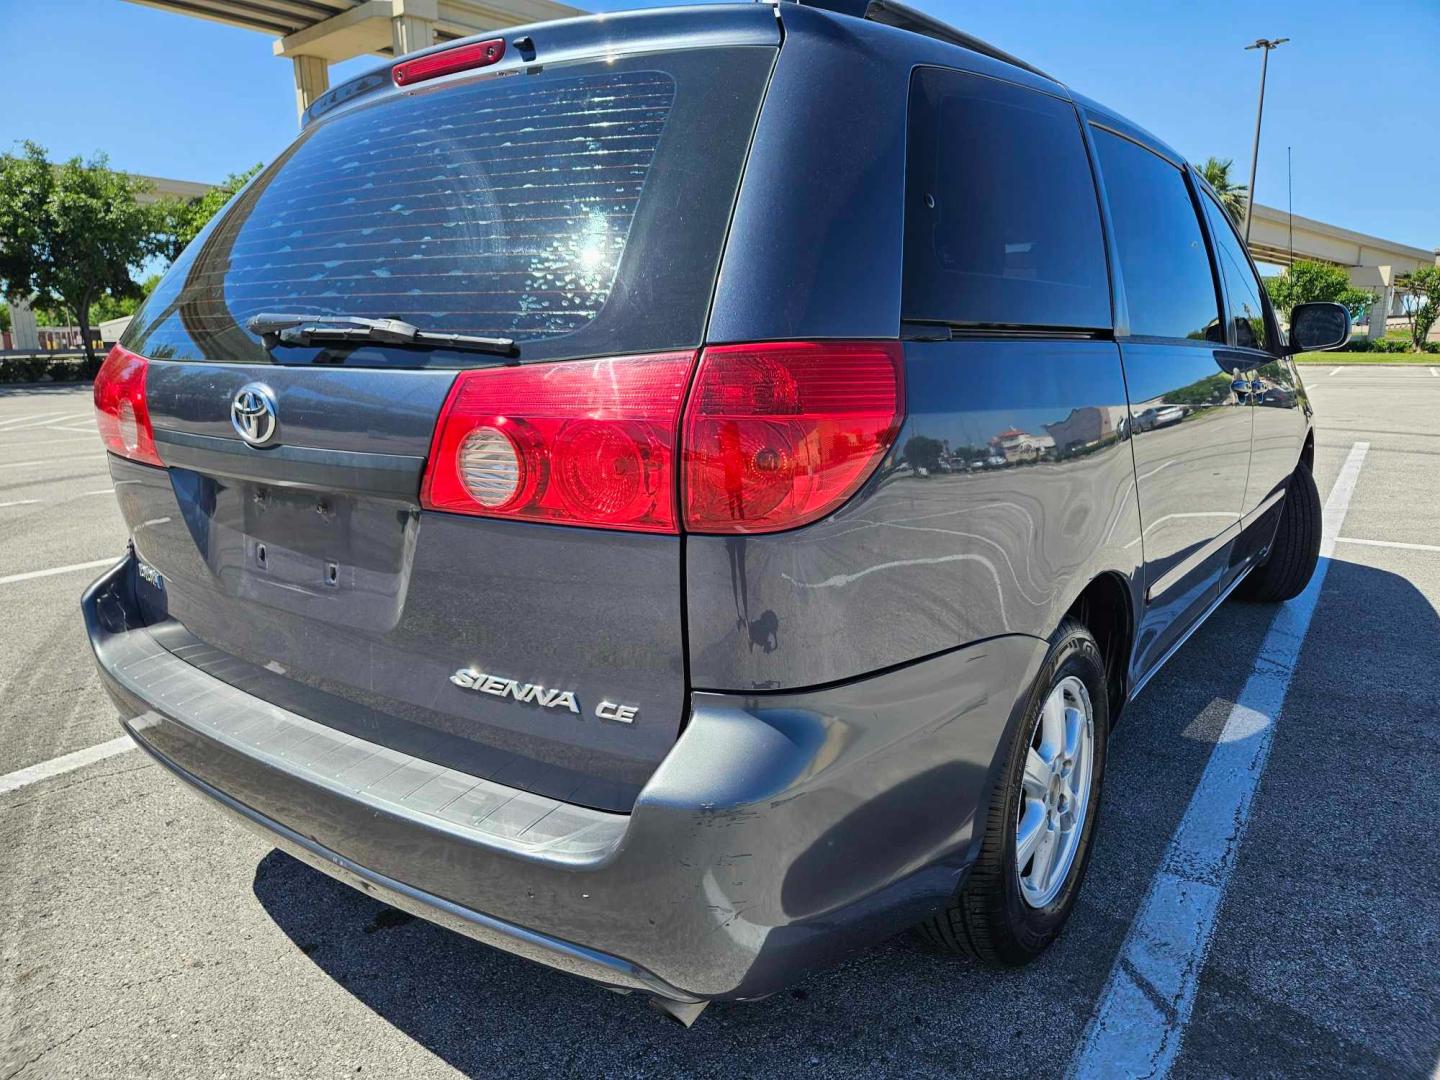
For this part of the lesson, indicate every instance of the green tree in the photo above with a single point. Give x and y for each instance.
(105, 306)
(179, 221)
(923, 452)
(112, 307)
(70, 233)
(1423, 305)
(1306, 282)
(1233, 196)
(1208, 391)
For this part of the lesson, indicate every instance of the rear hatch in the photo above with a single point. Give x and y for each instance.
(577, 208)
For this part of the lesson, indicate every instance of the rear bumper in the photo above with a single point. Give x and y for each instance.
(780, 832)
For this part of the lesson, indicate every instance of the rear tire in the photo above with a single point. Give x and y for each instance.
(1003, 915)
(1295, 549)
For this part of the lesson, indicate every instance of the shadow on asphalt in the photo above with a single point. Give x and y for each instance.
(1323, 960)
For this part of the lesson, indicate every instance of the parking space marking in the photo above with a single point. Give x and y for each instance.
(1337, 371)
(47, 418)
(64, 764)
(31, 575)
(48, 461)
(28, 423)
(30, 443)
(19, 502)
(1140, 1019)
(1388, 544)
(1435, 373)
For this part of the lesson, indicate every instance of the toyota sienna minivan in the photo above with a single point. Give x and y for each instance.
(681, 495)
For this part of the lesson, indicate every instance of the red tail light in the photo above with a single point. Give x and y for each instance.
(779, 435)
(585, 442)
(774, 436)
(448, 61)
(121, 412)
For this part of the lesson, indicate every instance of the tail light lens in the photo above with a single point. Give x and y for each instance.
(121, 411)
(775, 436)
(779, 435)
(585, 442)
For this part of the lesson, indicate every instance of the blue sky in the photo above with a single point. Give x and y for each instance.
(1353, 93)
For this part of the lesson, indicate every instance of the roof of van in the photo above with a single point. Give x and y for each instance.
(903, 17)
(1107, 117)
(656, 28)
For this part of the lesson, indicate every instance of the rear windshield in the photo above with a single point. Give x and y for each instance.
(579, 209)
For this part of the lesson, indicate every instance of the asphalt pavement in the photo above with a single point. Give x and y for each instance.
(143, 935)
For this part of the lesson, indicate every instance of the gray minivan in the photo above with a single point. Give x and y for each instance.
(683, 494)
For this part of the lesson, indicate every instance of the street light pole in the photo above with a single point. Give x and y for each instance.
(1265, 46)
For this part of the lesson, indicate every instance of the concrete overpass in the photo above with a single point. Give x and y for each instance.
(313, 34)
(1276, 237)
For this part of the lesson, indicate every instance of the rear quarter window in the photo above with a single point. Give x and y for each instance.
(1002, 222)
(579, 209)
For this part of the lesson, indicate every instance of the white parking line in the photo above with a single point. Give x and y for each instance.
(28, 444)
(44, 421)
(45, 417)
(1140, 1020)
(20, 502)
(48, 461)
(65, 763)
(1337, 371)
(31, 575)
(1435, 373)
(1388, 544)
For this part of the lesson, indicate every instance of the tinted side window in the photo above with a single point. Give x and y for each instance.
(1001, 220)
(1168, 284)
(1247, 312)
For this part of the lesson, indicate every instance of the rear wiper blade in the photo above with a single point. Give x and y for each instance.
(317, 329)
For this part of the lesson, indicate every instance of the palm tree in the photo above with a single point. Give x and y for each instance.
(1233, 196)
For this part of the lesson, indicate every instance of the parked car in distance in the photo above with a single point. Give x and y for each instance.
(520, 534)
(1163, 416)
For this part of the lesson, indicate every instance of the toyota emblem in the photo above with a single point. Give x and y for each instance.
(253, 414)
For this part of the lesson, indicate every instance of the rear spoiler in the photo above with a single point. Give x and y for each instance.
(518, 48)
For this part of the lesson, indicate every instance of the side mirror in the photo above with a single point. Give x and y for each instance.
(1320, 326)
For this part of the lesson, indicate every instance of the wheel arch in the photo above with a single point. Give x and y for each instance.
(1307, 451)
(1106, 607)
